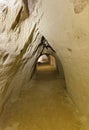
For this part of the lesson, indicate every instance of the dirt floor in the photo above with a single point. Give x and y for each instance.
(43, 104)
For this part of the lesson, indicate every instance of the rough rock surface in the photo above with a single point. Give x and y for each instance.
(65, 23)
(19, 45)
(19, 38)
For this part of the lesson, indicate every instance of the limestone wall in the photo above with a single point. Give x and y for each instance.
(19, 38)
(65, 24)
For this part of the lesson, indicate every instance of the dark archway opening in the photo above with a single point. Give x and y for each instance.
(47, 60)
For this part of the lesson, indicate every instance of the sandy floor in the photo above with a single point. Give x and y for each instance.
(43, 105)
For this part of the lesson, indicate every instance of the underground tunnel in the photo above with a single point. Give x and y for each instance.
(46, 61)
(44, 65)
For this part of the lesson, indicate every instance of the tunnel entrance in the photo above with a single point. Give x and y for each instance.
(46, 69)
(46, 62)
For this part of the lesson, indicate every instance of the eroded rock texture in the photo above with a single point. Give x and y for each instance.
(19, 38)
(79, 5)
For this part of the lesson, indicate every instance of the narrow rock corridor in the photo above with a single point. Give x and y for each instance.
(42, 105)
(44, 65)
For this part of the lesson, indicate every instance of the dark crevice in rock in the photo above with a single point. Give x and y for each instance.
(5, 57)
(26, 6)
(30, 38)
(69, 49)
(17, 19)
(5, 10)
